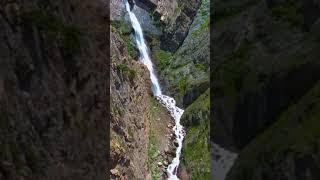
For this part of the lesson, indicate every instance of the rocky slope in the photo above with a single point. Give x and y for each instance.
(196, 152)
(141, 129)
(184, 73)
(265, 77)
(53, 90)
(177, 34)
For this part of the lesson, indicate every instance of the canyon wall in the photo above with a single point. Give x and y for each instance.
(177, 35)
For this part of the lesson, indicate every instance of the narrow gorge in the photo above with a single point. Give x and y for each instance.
(149, 39)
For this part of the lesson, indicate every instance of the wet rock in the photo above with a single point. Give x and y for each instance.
(176, 144)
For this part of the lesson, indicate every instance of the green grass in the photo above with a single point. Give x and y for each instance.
(191, 116)
(195, 152)
(117, 110)
(204, 9)
(163, 59)
(182, 85)
(122, 27)
(126, 71)
(203, 26)
(124, 31)
(199, 67)
(130, 47)
(154, 133)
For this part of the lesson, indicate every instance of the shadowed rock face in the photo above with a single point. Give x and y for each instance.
(175, 18)
(53, 90)
(178, 25)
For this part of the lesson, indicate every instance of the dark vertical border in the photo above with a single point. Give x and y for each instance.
(211, 79)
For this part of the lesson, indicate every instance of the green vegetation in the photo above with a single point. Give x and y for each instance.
(121, 27)
(195, 152)
(288, 12)
(182, 85)
(204, 9)
(124, 31)
(204, 16)
(163, 59)
(199, 67)
(117, 110)
(152, 155)
(157, 130)
(203, 26)
(70, 37)
(126, 71)
(131, 48)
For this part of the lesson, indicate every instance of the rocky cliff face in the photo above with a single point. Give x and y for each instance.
(141, 129)
(196, 152)
(184, 75)
(265, 66)
(173, 17)
(53, 90)
(174, 34)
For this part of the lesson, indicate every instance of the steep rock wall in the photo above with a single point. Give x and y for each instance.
(173, 17)
(141, 129)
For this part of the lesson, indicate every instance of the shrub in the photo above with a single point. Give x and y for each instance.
(126, 71)
(163, 59)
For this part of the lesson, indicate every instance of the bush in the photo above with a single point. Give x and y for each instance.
(126, 71)
(122, 27)
(163, 59)
(182, 85)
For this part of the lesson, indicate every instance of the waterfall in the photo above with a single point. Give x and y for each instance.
(166, 101)
(144, 56)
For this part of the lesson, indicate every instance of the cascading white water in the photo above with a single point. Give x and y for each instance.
(144, 57)
(166, 101)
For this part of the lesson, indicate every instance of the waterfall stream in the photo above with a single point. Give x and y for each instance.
(166, 101)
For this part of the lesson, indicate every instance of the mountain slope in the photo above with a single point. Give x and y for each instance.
(141, 128)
